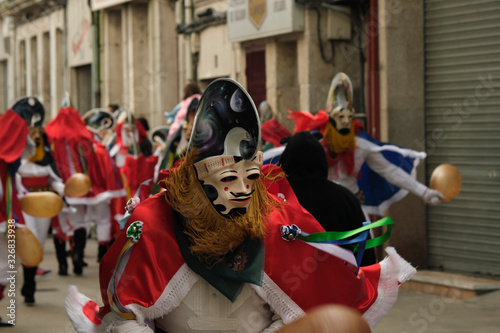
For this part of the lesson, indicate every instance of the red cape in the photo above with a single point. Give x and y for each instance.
(273, 131)
(75, 151)
(13, 135)
(297, 276)
(306, 121)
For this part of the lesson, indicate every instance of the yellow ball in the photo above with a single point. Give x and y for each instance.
(78, 185)
(446, 179)
(41, 204)
(28, 248)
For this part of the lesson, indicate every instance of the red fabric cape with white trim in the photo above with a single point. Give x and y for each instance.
(307, 276)
(13, 135)
(75, 151)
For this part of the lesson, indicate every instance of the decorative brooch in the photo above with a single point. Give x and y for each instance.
(134, 231)
(289, 233)
(131, 204)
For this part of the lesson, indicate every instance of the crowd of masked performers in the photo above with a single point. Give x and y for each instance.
(103, 165)
(109, 148)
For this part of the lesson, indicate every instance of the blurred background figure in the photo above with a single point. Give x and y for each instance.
(177, 143)
(101, 123)
(77, 152)
(16, 142)
(334, 206)
(272, 131)
(34, 176)
(137, 170)
(378, 173)
(191, 91)
(39, 173)
(146, 146)
(114, 109)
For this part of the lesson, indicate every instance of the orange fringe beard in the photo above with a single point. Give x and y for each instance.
(213, 235)
(336, 142)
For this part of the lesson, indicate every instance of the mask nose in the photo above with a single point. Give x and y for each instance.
(240, 186)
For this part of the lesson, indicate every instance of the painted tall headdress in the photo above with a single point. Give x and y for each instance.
(126, 117)
(227, 122)
(160, 134)
(31, 110)
(97, 119)
(340, 94)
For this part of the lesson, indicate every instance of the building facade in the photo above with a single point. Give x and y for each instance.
(33, 54)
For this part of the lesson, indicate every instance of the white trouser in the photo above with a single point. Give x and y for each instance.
(101, 214)
(76, 217)
(39, 226)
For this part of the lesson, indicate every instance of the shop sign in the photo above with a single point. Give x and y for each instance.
(79, 33)
(253, 19)
(257, 10)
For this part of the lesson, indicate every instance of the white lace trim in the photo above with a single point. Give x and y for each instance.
(109, 321)
(173, 294)
(393, 270)
(279, 301)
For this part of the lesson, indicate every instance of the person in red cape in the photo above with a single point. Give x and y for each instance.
(211, 253)
(75, 151)
(15, 143)
(272, 130)
(100, 122)
(39, 173)
(134, 166)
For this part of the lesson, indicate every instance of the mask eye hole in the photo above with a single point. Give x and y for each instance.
(253, 176)
(228, 179)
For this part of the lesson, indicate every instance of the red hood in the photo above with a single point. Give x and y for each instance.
(13, 135)
(69, 125)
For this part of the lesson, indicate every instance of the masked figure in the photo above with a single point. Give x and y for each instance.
(379, 174)
(39, 173)
(101, 122)
(137, 170)
(211, 252)
(272, 130)
(76, 151)
(16, 122)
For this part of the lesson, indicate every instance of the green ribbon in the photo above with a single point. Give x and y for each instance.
(332, 236)
(84, 164)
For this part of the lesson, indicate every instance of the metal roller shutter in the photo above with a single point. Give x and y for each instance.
(462, 101)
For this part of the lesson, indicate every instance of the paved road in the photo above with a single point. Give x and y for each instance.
(48, 314)
(414, 312)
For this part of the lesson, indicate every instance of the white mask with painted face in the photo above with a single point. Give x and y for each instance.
(226, 135)
(228, 181)
(343, 119)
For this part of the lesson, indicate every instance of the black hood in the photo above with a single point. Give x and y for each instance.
(334, 206)
(304, 156)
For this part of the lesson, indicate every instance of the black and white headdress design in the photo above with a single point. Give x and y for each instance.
(227, 122)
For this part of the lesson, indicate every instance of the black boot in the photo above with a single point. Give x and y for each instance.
(80, 238)
(5, 323)
(60, 247)
(29, 286)
(102, 249)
